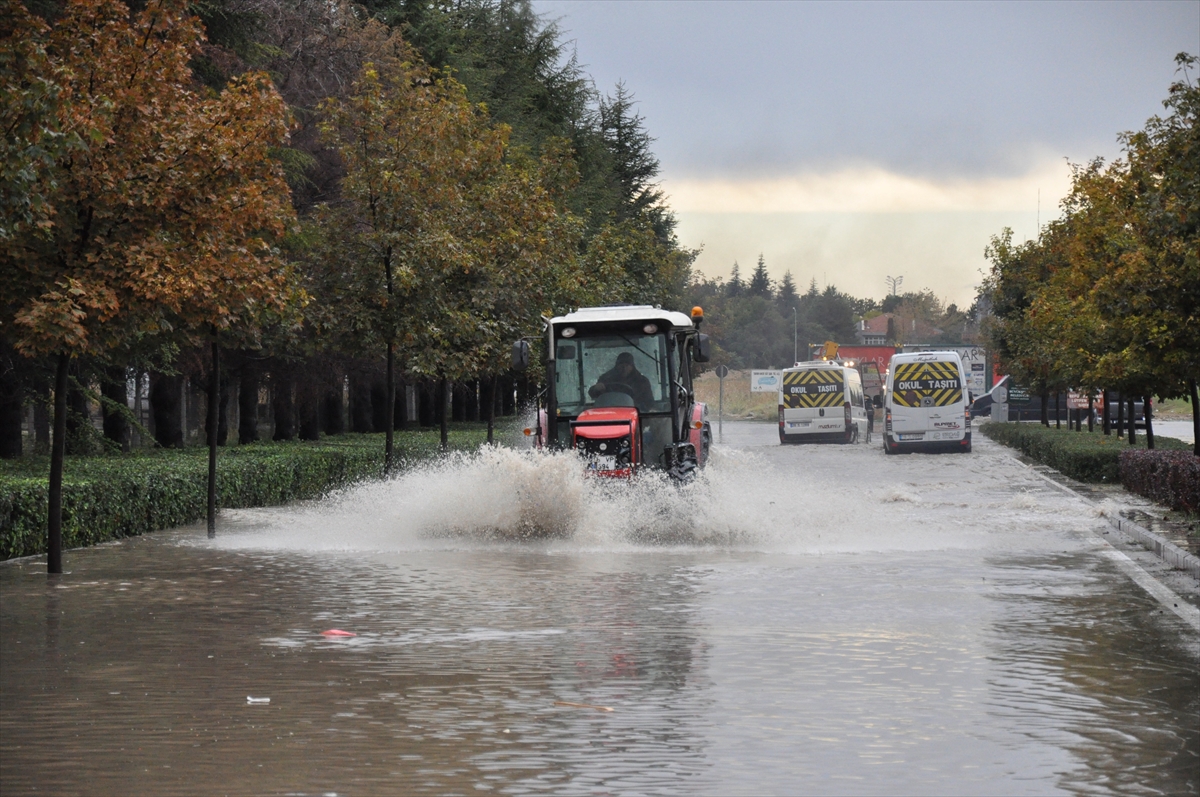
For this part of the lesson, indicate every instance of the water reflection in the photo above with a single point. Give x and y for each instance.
(960, 636)
(1087, 670)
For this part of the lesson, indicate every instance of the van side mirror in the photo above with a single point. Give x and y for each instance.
(520, 355)
(702, 352)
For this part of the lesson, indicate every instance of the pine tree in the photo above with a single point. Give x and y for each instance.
(735, 287)
(787, 296)
(634, 166)
(760, 281)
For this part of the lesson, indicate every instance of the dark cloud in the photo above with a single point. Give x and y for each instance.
(750, 89)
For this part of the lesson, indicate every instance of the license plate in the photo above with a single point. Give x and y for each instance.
(602, 463)
(798, 424)
(912, 436)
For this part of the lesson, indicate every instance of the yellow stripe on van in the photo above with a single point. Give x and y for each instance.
(823, 387)
(926, 384)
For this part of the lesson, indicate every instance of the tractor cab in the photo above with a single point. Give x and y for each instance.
(619, 389)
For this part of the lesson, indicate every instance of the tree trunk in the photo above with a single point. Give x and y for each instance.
(491, 406)
(78, 417)
(458, 401)
(1195, 416)
(1057, 413)
(379, 405)
(214, 405)
(444, 392)
(360, 404)
(508, 403)
(57, 450)
(1120, 416)
(1149, 423)
(389, 411)
(1091, 411)
(427, 405)
(12, 393)
(164, 406)
(333, 411)
(1132, 421)
(223, 414)
(1105, 418)
(283, 402)
(308, 406)
(474, 400)
(248, 404)
(1045, 407)
(41, 418)
(400, 407)
(113, 387)
(309, 409)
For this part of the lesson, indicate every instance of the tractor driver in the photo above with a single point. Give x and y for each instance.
(624, 377)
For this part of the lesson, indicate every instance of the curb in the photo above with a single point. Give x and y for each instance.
(1168, 551)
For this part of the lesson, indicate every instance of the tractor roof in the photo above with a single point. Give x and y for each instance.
(623, 312)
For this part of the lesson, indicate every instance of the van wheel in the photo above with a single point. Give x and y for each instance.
(853, 436)
(886, 448)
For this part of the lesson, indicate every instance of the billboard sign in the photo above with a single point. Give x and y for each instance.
(974, 360)
(1079, 401)
(765, 381)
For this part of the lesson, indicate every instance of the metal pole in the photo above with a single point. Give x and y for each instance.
(721, 408)
(795, 338)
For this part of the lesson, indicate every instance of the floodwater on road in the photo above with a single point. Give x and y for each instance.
(802, 620)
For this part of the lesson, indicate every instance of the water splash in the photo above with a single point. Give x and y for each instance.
(746, 499)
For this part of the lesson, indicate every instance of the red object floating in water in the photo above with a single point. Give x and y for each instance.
(337, 632)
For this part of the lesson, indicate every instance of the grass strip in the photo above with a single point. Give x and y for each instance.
(109, 497)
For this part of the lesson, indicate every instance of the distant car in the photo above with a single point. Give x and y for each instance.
(982, 406)
(1139, 412)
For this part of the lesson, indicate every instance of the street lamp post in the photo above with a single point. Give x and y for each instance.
(795, 338)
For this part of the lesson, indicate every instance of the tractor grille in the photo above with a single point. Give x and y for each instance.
(606, 453)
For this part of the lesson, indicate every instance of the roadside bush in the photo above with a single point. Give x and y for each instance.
(107, 498)
(1088, 457)
(1168, 477)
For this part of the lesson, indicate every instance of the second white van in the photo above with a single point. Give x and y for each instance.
(822, 401)
(925, 403)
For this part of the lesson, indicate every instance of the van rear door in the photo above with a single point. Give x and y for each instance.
(927, 400)
(813, 400)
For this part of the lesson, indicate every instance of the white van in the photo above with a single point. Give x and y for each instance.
(925, 403)
(822, 401)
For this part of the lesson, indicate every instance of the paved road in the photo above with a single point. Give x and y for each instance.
(806, 619)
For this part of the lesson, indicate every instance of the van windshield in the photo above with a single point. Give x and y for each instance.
(612, 369)
(932, 383)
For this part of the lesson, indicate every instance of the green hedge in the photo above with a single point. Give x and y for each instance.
(1086, 456)
(106, 498)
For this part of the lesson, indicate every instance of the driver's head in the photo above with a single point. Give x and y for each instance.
(625, 362)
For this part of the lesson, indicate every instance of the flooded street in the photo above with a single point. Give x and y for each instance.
(802, 620)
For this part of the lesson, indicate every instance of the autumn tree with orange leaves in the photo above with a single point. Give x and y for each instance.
(163, 219)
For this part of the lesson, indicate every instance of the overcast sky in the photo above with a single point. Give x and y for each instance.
(851, 141)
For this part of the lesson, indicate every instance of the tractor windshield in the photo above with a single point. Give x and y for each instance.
(612, 369)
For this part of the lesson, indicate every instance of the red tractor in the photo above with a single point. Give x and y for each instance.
(619, 389)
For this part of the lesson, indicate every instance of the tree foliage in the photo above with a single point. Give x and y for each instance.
(166, 214)
(1109, 295)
